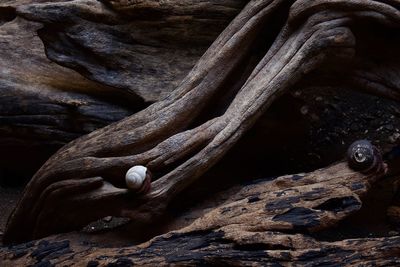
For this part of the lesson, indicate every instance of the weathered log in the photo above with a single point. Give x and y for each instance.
(43, 105)
(147, 52)
(39, 98)
(169, 138)
(266, 222)
(158, 34)
(211, 248)
(70, 47)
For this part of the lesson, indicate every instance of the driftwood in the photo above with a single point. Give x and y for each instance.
(43, 105)
(160, 45)
(171, 137)
(139, 51)
(266, 222)
(38, 96)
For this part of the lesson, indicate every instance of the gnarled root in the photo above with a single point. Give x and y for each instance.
(165, 139)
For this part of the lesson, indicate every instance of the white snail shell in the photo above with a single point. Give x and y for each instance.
(135, 177)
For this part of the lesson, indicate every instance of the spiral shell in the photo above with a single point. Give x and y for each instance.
(138, 178)
(364, 157)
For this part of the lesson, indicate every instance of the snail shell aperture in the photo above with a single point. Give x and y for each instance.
(138, 178)
(364, 157)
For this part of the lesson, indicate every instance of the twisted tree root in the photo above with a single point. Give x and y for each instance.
(161, 138)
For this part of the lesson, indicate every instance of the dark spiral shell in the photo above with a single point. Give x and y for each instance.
(364, 157)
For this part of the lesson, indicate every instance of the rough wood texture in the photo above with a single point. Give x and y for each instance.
(140, 62)
(39, 97)
(213, 248)
(144, 51)
(266, 222)
(172, 137)
(43, 105)
(144, 48)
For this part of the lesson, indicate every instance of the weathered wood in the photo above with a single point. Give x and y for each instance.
(157, 34)
(160, 32)
(39, 98)
(266, 222)
(166, 137)
(211, 248)
(58, 104)
(43, 105)
(145, 48)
